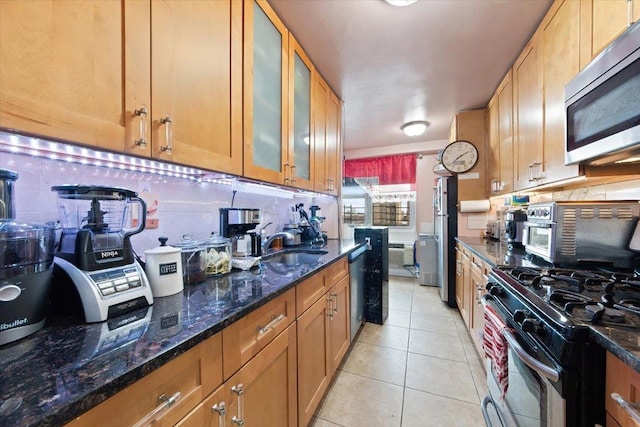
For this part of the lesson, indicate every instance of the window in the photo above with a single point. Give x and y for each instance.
(355, 211)
(363, 211)
(392, 214)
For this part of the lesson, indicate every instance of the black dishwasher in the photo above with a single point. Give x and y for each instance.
(376, 272)
(356, 290)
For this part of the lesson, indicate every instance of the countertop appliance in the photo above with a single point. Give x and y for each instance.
(493, 229)
(428, 259)
(582, 233)
(556, 372)
(26, 266)
(514, 220)
(235, 223)
(446, 229)
(356, 289)
(94, 259)
(376, 272)
(603, 107)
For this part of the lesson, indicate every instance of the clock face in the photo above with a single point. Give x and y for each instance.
(459, 156)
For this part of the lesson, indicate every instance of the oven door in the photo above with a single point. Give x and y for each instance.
(539, 239)
(531, 398)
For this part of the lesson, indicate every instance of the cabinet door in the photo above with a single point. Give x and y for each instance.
(75, 71)
(320, 105)
(479, 279)
(561, 62)
(314, 367)
(197, 63)
(529, 112)
(459, 276)
(608, 20)
(505, 103)
(300, 148)
(625, 381)
(264, 392)
(339, 323)
(333, 148)
(493, 152)
(470, 126)
(265, 93)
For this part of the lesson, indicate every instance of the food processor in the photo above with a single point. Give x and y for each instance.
(95, 252)
(26, 266)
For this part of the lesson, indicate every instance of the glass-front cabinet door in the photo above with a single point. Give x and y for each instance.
(265, 94)
(299, 164)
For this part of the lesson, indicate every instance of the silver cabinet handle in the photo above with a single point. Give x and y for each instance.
(168, 122)
(142, 112)
(269, 326)
(221, 409)
(164, 404)
(632, 409)
(293, 174)
(287, 173)
(629, 13)
(238, 419)
(330, 310)
(334, 299)
(531, 179)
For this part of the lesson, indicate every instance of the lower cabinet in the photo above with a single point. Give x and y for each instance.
(262, 393)
(625, 381)
(323, 340)
(479, 278)
(165, 395)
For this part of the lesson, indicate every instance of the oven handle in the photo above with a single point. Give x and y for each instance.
(540, 368)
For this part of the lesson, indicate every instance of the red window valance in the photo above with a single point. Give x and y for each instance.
(398, 169)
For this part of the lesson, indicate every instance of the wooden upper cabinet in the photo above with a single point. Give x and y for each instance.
(505, 130)
(608, 19)
(265, 93)
(327, 131)
(75, 71)
(333, 147)
(300, 156)
(528, 100)
(197, 103)
(470, 126)
(493, 149)
(561, 62)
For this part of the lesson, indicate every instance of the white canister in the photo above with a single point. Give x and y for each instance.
(163, 266)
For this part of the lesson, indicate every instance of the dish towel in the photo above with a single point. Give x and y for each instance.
(496, 348)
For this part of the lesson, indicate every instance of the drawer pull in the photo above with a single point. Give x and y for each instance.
(632, 409)
(269, 326)
(164, 404)
(221, 409)
(238, 419)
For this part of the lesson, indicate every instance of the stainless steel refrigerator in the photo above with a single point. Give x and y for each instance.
(445, 217)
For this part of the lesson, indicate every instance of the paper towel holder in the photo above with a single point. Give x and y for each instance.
(474, 206)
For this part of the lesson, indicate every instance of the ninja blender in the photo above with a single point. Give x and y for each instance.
(95, 252)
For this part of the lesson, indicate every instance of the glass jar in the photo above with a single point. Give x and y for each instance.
(194, 260)
(218, 254)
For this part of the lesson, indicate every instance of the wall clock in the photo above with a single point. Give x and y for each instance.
(459, 156)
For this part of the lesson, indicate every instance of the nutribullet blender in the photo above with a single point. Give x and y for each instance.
(95, 252)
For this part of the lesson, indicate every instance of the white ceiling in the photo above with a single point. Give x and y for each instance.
(425, 61)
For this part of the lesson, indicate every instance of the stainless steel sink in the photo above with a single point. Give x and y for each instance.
(295, 257)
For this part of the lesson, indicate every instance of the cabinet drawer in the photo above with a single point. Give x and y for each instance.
(309, 291)
(245, 338)
(625, 381)
(194, 374)
(335, 272)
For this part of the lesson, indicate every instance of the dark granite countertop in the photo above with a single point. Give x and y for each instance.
(623, 342)
(68, 367)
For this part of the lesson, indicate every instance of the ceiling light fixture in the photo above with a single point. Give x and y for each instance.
(414, 128)
(401, 2)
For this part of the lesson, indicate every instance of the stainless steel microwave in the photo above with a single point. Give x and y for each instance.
(602, 105)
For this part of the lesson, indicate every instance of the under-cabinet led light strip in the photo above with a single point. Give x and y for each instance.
(36, 147)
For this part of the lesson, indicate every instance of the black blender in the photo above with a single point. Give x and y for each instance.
(95, 252)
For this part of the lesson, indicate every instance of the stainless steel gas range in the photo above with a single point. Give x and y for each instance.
(556, 372)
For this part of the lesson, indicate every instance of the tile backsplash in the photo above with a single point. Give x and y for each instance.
(185, 206)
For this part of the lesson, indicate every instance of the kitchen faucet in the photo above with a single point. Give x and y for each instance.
(288, 237)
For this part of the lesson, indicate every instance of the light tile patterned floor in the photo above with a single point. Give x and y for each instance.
(419, 369)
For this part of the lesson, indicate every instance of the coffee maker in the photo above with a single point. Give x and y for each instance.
(235, 224)
(94, 259)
